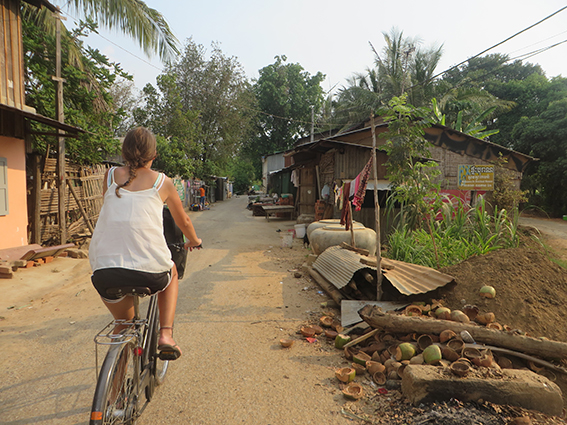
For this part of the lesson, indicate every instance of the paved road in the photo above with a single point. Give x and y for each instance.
(236, 301)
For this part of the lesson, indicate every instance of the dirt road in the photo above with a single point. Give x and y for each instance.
(237, 300)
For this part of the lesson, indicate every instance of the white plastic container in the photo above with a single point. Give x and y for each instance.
(287, 239)
(299, 231)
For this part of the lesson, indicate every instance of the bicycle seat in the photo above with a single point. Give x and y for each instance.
(129, 290)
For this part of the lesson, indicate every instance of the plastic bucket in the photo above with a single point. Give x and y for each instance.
(299, 231)
(287, 240)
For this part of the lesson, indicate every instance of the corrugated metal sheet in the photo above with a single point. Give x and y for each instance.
(338, 266)
(413, 279)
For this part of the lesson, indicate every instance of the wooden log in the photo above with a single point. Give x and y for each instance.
(326, 286)
(376, 318)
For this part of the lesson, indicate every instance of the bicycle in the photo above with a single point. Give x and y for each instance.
(132, 367)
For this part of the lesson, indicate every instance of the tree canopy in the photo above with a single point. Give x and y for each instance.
(204, 104)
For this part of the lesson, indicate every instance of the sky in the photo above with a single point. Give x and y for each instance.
(333, 36)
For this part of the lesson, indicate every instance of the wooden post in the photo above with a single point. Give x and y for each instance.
(61, 140)
(36, 200)
(376, 209)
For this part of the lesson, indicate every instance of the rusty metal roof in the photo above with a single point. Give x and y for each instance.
(338, 265)
(412, 279)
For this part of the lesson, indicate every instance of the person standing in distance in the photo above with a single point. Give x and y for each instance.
(202, 197)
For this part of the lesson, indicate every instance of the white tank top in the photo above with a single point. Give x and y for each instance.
(129, 230)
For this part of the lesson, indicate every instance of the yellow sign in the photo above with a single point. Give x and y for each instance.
(476, 177)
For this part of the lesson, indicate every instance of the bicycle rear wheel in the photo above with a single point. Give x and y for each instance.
(116, 395)
(158, 367)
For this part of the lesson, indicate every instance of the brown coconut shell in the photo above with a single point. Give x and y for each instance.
(494, 325)
(446, 335)
(460, 369)
(379, 378)
(345, 374)
(353, 391)
(505, 362)
(413, 310)
(360, 370)
(286, 343)
(326, 321)
(424, 341)
(349, 352)
(471, 311)
(450, 354)
(485, 318)
(308, 331)
(374, 367)
(331, 334)
(318, 329)
(456, 344)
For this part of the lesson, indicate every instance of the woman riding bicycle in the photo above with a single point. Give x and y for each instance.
(128, 247)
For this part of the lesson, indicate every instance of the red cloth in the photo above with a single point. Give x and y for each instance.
(360, 183)
(345, 212)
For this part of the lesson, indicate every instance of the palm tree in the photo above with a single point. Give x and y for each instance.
(402, 67)
(133, 17)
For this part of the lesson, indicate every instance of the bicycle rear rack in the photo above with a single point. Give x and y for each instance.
(107, 336)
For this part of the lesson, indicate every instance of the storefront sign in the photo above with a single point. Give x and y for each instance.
(476, 177)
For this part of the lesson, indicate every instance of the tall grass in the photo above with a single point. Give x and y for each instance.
(461, 233)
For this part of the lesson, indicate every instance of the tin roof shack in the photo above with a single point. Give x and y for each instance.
(275, 172)
(333, 160)
(14, 132)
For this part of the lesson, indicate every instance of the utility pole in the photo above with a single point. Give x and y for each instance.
(61, 179)
(376, 211)
(312, 123)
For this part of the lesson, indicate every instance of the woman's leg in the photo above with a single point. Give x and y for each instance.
(122, 310)
(167, 301)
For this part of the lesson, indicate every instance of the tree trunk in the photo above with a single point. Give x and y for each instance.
(376, 318)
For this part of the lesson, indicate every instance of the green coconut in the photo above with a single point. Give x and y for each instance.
(443, 313)
(405, 351)
(346, 374)
(432, 354)
(487, 291)
(341, 340)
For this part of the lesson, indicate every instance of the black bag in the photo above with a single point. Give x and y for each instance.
(174, 235)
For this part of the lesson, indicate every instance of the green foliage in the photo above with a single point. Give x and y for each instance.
(505, 193)
(460, 234)
(285, 95)
(403, 67)
(87, 102)
(203, 106)
(411, 175)
(545, 137)
(242, 174)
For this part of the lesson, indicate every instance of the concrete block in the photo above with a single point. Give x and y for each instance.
(524, 388)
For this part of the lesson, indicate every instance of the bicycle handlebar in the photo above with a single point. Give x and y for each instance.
(181, 245)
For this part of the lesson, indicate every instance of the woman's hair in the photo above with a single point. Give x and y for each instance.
(138, 148)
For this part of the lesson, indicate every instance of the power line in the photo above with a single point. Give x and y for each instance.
(117, 45)
(498, 44)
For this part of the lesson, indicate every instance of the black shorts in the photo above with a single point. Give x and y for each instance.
(117, 277)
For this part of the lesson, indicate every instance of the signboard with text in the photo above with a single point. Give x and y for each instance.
(476, 177)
